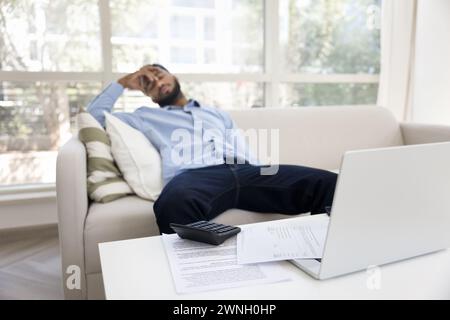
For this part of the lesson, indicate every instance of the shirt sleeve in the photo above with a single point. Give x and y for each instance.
(105, 101)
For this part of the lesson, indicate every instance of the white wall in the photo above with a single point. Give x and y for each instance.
(431, 100)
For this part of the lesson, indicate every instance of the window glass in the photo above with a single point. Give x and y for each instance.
(145, 32)
(35, 120)
(324, 36)
(43, 35)
(226, 95)
(328, 94)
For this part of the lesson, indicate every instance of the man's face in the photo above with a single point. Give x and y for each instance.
(161, 86)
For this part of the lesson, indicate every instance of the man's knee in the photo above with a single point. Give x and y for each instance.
(176, 206)
(165, 209)
(170, 201)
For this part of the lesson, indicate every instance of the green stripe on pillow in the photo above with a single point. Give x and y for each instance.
(94, 186)
(93, 134)
(102, 164)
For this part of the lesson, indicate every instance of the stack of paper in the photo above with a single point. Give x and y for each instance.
(296, 238)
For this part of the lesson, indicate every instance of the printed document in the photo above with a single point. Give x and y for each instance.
(199, 266)
(296, 238)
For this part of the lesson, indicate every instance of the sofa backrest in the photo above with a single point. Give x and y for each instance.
(319, 136)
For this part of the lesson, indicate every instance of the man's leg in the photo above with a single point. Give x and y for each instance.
(197, 194)
(292, 190)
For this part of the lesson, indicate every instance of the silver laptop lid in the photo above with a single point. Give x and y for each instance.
(390, 204)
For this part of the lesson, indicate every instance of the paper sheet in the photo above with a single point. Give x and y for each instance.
(198, 267)
(297, 238)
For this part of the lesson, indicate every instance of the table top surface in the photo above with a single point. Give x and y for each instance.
(139, 269)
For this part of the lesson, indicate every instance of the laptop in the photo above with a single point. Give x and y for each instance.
(390, 204)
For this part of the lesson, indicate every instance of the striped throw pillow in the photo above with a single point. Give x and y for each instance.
(105, 182)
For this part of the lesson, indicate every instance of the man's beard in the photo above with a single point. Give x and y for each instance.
(172, 97)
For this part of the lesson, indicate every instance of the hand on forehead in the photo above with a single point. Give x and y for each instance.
(152, 69)
(150, 72)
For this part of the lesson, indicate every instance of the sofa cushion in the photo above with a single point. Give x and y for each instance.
(133, 217)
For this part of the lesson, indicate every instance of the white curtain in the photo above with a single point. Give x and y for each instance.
(398, 30)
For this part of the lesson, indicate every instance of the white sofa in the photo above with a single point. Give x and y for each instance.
(315, 137)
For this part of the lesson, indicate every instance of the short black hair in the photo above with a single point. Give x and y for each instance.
(160, 66)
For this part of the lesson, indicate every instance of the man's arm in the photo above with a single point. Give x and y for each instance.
(105, 102)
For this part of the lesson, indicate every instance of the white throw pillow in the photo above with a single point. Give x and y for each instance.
(136, 157)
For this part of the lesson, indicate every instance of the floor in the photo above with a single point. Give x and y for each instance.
(30, 264)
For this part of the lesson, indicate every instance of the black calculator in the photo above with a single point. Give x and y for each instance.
(205, 231)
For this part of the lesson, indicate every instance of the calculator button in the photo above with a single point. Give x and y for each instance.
(224, 229)
(207, 227)
(196, 224)
(221, 227)
(207, 223)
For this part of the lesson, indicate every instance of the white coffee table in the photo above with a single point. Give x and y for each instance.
(139, 269)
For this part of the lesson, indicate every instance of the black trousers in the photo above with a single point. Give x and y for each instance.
(204, 193)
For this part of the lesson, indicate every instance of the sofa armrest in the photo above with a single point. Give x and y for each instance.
(71, 191)
(417, 133)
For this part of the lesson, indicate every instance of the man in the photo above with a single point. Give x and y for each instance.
(208, 184)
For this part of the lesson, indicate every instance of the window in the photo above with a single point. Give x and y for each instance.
(180, 55)
(328, 94)
(182, 28)
(55, 56)
(49, 36)
(135, 31)
(223, 43)
(326, 39)
(36, 119)
(209, 27)
(226, 95)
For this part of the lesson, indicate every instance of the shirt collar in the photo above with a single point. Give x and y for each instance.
(191, 103)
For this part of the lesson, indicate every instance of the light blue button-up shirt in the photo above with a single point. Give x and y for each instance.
(186, 137)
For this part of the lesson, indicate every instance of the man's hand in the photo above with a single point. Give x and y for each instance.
(142, 80)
